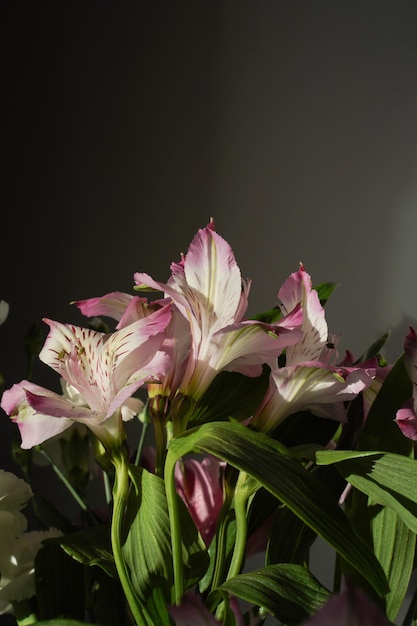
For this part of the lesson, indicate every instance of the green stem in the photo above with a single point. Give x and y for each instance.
(82, 504)
(141, 442)
(160, 444)
(238, 557)
(176, 542)
(120, 495)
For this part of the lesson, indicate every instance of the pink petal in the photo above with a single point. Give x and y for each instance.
(199, 483)
(34, 427)
(407, 420)
(297, 289)
(111, 305)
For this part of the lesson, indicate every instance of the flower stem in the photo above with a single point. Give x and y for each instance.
(176, 542)
(160, 444)
(120, 495)
(81, 503)
(241, 499)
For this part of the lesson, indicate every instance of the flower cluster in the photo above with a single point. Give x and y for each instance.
(253, 436)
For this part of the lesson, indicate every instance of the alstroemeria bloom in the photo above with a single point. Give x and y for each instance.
(309, 380)
(123, 307)
(406, 416)
(200, 485)
(105, 369)
(126, 309)
(207, 287)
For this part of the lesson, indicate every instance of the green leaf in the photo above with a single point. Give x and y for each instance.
(230, 396)
(374, 349)
(304, 427)
(383, 510)
(324, 291)
(91, 546)
(63, 622)
(286, 478)
(147, 548)
(389, 479)
(380, 431)
(394, 545)
(268, 317)
(287, 591)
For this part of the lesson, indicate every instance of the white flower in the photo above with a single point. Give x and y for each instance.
(4, 310)
(17, 567)
(14, 494)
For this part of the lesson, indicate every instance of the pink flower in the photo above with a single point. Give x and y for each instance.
(406, 416)
(207, 288)
(104, 371)
(200, 485)
(310, 380)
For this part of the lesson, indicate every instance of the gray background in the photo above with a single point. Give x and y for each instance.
(126, 126)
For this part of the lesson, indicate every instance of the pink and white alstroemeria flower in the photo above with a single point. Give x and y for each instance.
(105, 370)
(200, 485)
(126, 309)
(406, 416)
(207, 287)
(122, 307)
(310, 380)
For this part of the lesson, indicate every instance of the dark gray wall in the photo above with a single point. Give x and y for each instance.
(127, 125)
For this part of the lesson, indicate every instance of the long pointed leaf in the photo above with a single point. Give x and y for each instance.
(286, 479)
(287, 591)
(389, 479)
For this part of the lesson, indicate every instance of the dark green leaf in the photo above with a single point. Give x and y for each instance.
(230, 396)
(63, 622)
(394, 545)
(374, 349)
(268, 317)
(389, 479)
(287, 479)
(287, 591)
(91, 546)
(304, 427)
(324, 291)
(147, 549)
(380, 431)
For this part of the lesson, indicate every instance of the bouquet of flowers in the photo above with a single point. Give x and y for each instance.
(254, 437)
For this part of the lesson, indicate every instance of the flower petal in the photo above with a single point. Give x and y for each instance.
(297, 289)
(35, 428)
